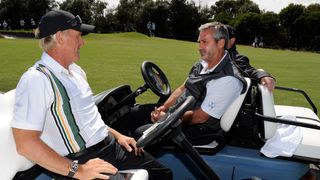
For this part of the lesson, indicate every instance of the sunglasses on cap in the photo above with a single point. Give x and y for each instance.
(74, 23)
(59, 20)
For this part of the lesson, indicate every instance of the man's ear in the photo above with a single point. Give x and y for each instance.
(59, 37)
(221, 43)
(232, 41)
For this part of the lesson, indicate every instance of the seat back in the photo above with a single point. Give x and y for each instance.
(10, 161)
(267, 109)
(232, 111)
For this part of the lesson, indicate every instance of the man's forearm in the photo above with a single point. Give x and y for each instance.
(173, 97)
(115, 133)
(195, 116)
(33, 148)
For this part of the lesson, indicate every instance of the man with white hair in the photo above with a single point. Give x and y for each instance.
(56, 123)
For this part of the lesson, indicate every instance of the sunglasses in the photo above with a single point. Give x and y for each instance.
(72, 23)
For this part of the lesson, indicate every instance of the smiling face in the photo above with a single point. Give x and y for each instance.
(72, 44)
(67, 47)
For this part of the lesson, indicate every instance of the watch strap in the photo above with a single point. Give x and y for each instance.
(73, 168)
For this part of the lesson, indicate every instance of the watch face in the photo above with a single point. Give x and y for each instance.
(73, 169)
(74, 166)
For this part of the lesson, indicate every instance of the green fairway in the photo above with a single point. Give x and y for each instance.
(114, 59)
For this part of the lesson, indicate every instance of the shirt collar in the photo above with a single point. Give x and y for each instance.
(52, 64)
(205, 65)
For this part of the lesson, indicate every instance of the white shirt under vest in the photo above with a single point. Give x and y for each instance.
(220, 92)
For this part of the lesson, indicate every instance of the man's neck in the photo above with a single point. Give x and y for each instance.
(59, 58)
(216, 59)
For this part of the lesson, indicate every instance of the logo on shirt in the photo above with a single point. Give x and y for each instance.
(211, 105)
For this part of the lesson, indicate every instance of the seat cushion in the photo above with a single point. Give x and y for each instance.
(10, 161)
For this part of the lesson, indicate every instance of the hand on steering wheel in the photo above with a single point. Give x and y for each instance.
(157, 114)
(164, 124)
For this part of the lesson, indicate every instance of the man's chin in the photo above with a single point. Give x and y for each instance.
(203, 58)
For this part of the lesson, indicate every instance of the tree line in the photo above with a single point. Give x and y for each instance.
(294, 27)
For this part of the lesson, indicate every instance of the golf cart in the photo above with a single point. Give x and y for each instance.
(250, 121)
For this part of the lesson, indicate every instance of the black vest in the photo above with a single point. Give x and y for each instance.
(196, 82)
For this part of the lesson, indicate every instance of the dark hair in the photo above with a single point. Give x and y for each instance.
(231, 31)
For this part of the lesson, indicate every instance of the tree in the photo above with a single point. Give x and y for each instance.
(246, 6)
(306, 30)
(157, 12)
(287, 17)
(205, 14)
(14, 10)
(313, 7)
(248, 26)
(99, 20)
(37, 8)
(183, 19)
(79, 7)
(226, 11)
(127, 13)
(270, 29)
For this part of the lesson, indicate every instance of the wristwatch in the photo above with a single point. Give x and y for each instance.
(73, 168)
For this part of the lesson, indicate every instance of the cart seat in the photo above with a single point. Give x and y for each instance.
(226, 122)
(10, 161)
(229, 116)
(309, 148)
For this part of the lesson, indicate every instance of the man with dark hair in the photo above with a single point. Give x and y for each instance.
(56, 123)
(221, 83)
(243, 63)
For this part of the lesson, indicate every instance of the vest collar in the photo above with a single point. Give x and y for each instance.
(216, 68)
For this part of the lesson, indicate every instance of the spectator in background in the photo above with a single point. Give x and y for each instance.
(33, 23)
(153, 28)
(22, 23)
(261, 43)
(5, 25)
(149, 29)
(256, 42)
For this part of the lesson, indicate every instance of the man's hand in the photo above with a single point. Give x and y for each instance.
(129, 143)
(95, 169)
(268, 82)
(157, 113)
(32, 147)
(126, 142)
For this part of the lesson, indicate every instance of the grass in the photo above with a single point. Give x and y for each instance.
(114, 59)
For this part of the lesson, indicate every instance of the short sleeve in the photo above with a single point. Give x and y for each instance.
(33, 97)
(220, 94)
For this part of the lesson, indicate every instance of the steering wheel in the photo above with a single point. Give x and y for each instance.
(155, 79)
(163, 125)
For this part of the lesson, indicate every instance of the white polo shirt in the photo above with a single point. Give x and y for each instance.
(220, 93)
(38, 107)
